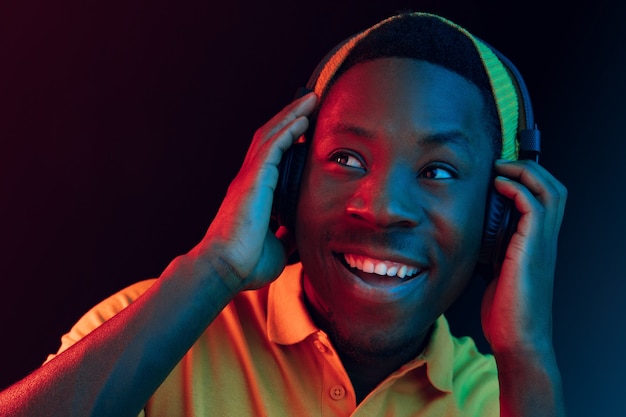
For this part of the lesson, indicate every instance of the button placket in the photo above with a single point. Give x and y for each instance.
(337, 392)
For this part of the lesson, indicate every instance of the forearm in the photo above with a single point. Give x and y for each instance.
(117, 367)
(530, 385)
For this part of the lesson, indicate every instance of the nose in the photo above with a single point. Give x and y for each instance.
(385, 199)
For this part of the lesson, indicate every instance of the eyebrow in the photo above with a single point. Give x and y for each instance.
(350, 129)
(451, 138)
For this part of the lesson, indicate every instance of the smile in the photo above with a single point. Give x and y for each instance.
(381, 267)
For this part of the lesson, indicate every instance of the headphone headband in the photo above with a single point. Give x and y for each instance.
(520, 136)
(514, 112)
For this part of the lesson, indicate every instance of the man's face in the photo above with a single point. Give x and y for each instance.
(392, 201)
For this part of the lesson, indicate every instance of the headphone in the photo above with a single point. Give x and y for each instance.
(501, 217)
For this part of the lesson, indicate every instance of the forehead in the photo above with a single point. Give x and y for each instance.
(400, 97)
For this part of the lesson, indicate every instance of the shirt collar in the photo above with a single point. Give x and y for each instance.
(439, 355)
(289, 322)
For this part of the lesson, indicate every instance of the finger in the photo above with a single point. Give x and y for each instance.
(271, 152)
(538, 180)
(300, 107)
(288, 122)
(532, 211)
(290, 133)
(541, 183)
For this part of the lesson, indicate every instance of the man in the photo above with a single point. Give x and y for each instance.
(410, 118)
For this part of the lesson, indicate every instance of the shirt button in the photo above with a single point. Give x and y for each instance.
(320, 346)
(337, 392)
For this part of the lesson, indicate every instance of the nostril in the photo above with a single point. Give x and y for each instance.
(405, 223)
(383, 206)
(356, 216)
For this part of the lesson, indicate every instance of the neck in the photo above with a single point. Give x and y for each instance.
(368, 369)
(366, 372)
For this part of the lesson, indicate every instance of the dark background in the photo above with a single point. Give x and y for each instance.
(122, 123)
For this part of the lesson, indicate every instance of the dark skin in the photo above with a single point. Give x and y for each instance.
(398, 174)
(239, 252)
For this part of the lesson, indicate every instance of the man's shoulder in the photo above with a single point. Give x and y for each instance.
(102, 312)
(475, 376)
(115, 303)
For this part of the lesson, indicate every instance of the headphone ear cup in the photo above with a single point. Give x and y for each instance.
(501, 220)
(288, 186)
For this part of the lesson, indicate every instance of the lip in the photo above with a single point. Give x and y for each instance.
(382, 253)
(373, 281)
(381, 267)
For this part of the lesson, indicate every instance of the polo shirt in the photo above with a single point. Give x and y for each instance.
(264, 356)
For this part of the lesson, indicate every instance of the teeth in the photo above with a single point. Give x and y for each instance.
(368, 266)
(379, 267)
(402, 271)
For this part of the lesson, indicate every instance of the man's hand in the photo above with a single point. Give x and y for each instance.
(517, 306)
(148, 338)
(239, 243)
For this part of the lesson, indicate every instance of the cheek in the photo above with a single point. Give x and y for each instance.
(458, 233)
(314, 203)
(458, 226)
(319, 198)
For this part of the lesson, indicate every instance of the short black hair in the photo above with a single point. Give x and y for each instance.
(430, 39)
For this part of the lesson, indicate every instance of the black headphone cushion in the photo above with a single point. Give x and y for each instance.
(500, 223)
(288, 186)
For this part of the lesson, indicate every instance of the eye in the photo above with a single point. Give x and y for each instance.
(347, 159)
(438, 172)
